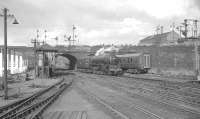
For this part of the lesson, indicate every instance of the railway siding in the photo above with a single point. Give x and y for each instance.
(24, 107)
(73, 104)
(168, 99)
(120, 103)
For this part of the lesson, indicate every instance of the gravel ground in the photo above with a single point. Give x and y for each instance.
(73, 105)
(161, 77)
(180, 93)
(23, 89)
(122, 102)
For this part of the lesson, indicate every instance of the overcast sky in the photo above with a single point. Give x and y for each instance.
(97, 21)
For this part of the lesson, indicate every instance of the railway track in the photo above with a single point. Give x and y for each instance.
(170, 88)
(172, 93)
(151, 80)
(28, 99)
(170, 102)
(46, 102)
(107, 106)
(126, 87)
(116, 111)
(32, 107)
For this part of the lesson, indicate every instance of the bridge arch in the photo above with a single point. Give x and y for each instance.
(72, 59)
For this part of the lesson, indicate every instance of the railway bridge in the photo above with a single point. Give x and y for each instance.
(72, 56)
(47, 57)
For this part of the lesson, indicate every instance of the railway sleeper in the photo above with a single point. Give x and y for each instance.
(16, 103)
(22, 103)
(38, 114)
(30, 109)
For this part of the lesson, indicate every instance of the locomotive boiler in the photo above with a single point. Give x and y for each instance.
(106, 64)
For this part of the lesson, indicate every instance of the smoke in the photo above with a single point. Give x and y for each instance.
(100, 51)
(104, 51)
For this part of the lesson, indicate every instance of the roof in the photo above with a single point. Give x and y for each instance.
(156, 36)
(130, 55)
(156, 39)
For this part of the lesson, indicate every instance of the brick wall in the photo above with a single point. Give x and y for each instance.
(172, 60)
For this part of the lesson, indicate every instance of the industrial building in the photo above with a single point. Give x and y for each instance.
(163, 39)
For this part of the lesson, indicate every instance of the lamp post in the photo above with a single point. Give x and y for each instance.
(5, 15)
(196, 42)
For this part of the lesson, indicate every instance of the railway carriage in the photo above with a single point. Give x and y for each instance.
(135, 62)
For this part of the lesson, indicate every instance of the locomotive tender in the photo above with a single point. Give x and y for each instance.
(116, 64)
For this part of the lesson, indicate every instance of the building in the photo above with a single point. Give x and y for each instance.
(19, 59)
(16, 62)
(164, 39)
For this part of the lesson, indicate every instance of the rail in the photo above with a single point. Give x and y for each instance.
(15, 106)
(38, 114)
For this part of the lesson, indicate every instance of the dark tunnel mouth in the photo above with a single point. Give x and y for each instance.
(71, 58)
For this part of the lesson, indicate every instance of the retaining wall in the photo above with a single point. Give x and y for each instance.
(169, 60)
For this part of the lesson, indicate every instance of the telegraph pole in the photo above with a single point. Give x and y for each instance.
(5, 53)
(69, 39)
(43, 54)
(45, 35)
(43, 60)
(197, 49)
(73, 34)
(196, 44)
(173, 26)
(34, 41)
(186, 27)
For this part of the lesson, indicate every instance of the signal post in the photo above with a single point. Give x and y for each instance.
(197, 53)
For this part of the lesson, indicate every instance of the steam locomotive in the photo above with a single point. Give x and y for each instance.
(116, 64)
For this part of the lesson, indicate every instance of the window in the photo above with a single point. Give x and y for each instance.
(146, 61)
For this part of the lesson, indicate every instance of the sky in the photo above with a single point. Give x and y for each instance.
(96, 21)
